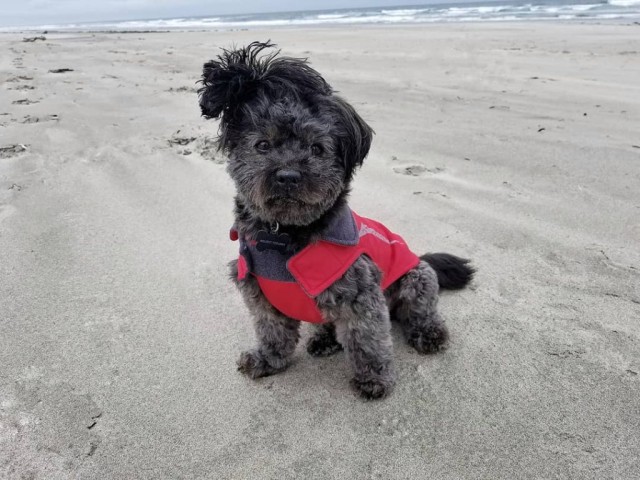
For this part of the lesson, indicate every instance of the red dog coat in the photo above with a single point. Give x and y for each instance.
(291, 281)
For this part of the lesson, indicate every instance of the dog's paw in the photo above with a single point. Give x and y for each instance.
(431, 339)
(373, 388)
(254, 365)
(323, 345)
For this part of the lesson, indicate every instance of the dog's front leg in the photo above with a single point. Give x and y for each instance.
(357, 307)
(277, 334)
(277, 339)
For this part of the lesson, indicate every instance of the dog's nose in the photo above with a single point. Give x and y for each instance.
(288, 178)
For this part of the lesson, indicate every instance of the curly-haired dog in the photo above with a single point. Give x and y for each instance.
(293, 146)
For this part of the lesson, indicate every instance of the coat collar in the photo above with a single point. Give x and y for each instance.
(342, 230)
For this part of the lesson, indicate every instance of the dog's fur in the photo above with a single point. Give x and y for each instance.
(279, 115)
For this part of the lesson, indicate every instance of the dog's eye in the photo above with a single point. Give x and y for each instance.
(316, 150)
(262, 146)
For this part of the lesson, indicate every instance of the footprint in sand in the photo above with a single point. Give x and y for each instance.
(175, 140)
(45, 118)
(19, 78)
(416, 170)
(24, 101)
(12, 150)
(183, 90)
(206, 147)
(411, 170)
(178, 141)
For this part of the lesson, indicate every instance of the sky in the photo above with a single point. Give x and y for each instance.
(43, 12)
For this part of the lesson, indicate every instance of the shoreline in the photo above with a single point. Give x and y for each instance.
(632, 21)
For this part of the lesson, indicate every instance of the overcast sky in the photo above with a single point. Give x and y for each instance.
(40, 12)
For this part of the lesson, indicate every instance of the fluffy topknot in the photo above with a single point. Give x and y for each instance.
(236, 76)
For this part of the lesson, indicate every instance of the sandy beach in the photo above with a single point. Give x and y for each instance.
(516, 145)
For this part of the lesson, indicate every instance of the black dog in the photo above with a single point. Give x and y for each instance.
(293, 147)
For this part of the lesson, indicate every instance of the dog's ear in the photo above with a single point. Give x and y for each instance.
(231, 79)
(354, 136)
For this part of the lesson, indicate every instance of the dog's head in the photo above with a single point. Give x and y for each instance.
(293, 145)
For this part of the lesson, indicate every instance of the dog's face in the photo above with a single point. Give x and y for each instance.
(284, 163)
(292, 144)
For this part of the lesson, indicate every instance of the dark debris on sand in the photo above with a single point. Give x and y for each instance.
(183, 90)
(24, 101)
(181, 140)
(12, 150)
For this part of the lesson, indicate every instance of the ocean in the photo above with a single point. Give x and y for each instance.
(505, 10)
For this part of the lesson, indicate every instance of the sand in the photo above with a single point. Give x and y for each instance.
(517, 145)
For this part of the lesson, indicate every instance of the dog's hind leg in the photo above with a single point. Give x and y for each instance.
(357, 307)
(414, 301)
(323, 342)
(277, 334)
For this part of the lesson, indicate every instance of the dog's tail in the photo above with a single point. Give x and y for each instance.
(453, 272)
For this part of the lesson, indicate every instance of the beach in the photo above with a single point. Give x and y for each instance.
(514, 144)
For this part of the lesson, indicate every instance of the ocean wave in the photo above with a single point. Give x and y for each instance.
(404, 12)
(476, 12)
(624, 3)
(331, 16)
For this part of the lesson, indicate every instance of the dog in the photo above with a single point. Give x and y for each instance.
(293, 147)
